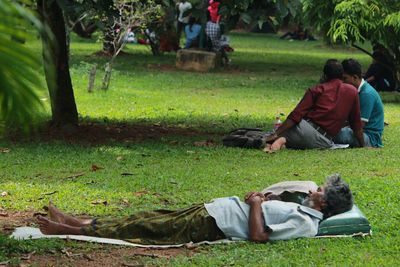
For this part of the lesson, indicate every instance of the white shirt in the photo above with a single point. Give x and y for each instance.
(287, 220)
(183, 7)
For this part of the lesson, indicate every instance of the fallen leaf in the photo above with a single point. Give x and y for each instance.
(120, 158)
(190, 152)
(205, 143)
(134, 264)
(28, 256)
(4, 214)
(252, 78)
(4, 150)
(96, 168)
(126, 174)
(75, 175)
(50, 193)
(4, 194)
(40, 213)
(165, 201)
(141, 193)
(99, 201)
(125, 202)
(88, 257)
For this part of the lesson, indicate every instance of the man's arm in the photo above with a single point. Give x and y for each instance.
(360, 137)
(287, 124)
(257, 231)
(355, 121)
(302, 108)
(370, 78)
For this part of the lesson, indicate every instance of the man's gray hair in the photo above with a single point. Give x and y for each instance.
(337, 196)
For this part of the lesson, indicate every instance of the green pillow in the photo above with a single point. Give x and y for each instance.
(347, 223)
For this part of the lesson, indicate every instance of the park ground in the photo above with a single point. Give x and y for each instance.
(153, 140)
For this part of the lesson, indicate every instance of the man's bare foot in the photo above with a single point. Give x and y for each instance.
(267, 148)
(49, 227)
(278, 144)
(58, 216)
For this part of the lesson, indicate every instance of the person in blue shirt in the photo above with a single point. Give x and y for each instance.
(192, 32)
(371, 106)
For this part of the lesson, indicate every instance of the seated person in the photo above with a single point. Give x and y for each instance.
(192, 32)
(380, 74)
(371, 106)
(169, 40)
(213, 32)
(298, 34)
(321, 114)
(255, 219)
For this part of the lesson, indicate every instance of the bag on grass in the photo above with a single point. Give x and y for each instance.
(246, 138)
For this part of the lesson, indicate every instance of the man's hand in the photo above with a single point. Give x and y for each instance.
(360, 137)
(254, 197)
(272, 137)
(257, 230)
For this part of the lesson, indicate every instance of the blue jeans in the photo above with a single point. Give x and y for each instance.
(346, 136)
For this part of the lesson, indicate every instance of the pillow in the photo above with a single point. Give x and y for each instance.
(351, 222)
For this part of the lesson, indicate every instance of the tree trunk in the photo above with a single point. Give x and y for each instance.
(109, 41)
(56, 66)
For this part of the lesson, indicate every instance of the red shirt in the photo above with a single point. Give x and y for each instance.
(213, 9)
(330, 105)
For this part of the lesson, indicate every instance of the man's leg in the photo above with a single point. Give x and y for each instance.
(159, 227)
(57, 216)
(304, 136)
(346, 136)
(49, 227)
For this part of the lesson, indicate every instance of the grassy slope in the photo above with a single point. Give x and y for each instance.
(271, 77)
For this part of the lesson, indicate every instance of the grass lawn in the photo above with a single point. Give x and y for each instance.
(268, 76)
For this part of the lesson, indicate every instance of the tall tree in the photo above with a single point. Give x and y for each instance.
(56, 64)
(19, 76)
(356, 21)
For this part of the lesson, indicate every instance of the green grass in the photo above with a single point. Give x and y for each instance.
(268, 76)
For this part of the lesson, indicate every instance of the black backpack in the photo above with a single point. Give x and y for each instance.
(246, 138)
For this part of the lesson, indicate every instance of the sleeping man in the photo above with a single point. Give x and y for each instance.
(258, 219)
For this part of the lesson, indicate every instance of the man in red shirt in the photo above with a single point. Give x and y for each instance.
(322, 112)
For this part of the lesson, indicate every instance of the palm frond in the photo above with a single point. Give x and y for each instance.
(19, 76)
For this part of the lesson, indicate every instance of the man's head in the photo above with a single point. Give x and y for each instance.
(352, 72)
(332, 70)
(332, 198)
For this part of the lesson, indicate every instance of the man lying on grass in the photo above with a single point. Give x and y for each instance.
(257, 219)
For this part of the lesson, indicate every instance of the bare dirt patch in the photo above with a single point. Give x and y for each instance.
(101, 133)
(107, 256)
(11, 220)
